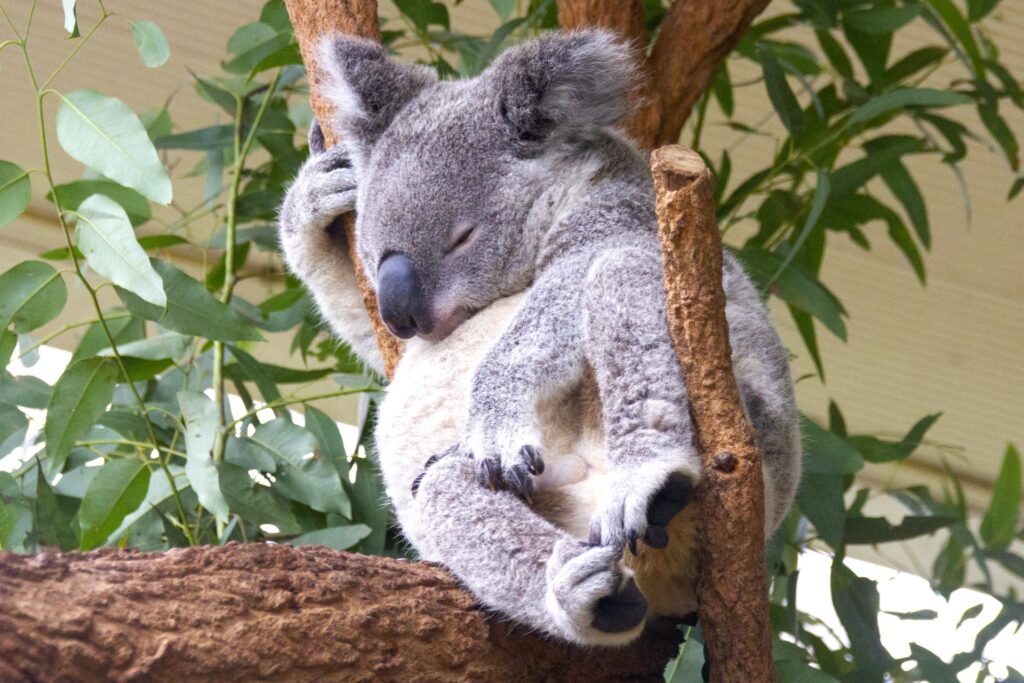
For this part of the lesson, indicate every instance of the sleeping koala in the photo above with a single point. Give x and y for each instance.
(508, 230)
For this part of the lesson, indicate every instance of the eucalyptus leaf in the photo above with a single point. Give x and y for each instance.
(200, 415)
(104, 134)
(117, 490)
(337, 537)
(151, 43)
(15, 192)
(191, 310)
(71, 195)
(1000, 522)
(70, 17)
(79, 397)
(32, 294)
(105, 237)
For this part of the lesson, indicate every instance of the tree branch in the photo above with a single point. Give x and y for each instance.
(273, 612)
(731, 588)
(312, 20)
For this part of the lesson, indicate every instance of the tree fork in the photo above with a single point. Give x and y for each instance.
(731, 589)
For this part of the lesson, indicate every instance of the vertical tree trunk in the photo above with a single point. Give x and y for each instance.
(313, 20)
(731, 589)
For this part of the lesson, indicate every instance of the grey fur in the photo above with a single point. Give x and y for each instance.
(561, 204)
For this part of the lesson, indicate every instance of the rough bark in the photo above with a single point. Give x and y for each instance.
(732, 588)
(272, 612)
(694, 38)
(312, 20)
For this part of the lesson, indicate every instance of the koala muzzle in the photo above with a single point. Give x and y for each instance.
(401, 299)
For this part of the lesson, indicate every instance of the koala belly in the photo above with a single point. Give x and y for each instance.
(424, 411)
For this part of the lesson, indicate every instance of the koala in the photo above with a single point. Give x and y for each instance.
(537, 425)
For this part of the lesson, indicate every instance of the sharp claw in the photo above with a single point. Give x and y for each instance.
(534, 461)
(632, 542)
(416, 483)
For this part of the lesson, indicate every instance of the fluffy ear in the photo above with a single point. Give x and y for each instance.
(367, 88)
(564, 81)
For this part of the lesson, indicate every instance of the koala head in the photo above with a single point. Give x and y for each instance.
(449, 171)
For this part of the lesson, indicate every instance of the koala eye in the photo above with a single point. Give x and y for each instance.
(461, 239)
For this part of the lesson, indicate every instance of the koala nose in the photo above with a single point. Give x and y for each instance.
(400, 297)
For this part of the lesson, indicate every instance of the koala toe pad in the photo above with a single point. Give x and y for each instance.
(622, 611)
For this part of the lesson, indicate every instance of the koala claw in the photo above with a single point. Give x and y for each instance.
(516, 476)
(629, 518)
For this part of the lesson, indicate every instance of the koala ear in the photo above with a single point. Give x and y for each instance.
(367, 88)
(564, 81)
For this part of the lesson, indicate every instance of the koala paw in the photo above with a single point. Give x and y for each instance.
(590, 597)
(641, 502)
(324, 189)
(513, 472)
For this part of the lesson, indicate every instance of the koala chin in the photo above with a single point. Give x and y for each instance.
(535, 438)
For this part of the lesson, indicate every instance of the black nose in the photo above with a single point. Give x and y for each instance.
(400, 297)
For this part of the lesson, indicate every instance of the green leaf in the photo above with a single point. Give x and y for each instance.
(956, 24)
(253, 43)
(857, 604)
(191, 309)
(211, 137)
(328, 437)
(835, 53)
(302, 473)
(106, 239)
(504, 8)
(879, 451)
(795, 286)
(970, 613)
(248, 455)
(902, 185)
(1002, 134)
(26, 391)
(15, 192)
(820, 498)
(337, 537)
(1003, 517)
(424, 13)
(15, 515)
(79, 397)
(71, 196)
(151, 43)
(70, 18)
(883, 20)
(979, 9)
(779, 92)
(52, 525)
(200, 415)
(117, 490)
(805, 326)
(828, 453)
(104, 134)
(168, 346)
(821, 190)
(907, 97)
(32, 294)
(254, 502)
(874, 530)
(222, 97)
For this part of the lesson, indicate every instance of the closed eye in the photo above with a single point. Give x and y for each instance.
(462, 238)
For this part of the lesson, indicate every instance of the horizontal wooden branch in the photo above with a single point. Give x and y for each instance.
(273, 612)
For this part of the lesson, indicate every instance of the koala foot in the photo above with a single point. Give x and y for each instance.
(591, 597)
(513, 473)
(641, 503)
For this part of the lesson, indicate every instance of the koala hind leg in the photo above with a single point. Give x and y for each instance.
(647, 425)
(522, 566)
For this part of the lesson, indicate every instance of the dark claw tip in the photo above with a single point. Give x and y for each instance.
(656, 537)
(534, 461)
(632, 542)
(416, 483)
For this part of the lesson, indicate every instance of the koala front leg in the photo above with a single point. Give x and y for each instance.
(541, 353)
(315, 247)
(648, 429)
(522, 566)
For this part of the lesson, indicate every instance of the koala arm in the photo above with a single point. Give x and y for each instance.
(315, 248)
